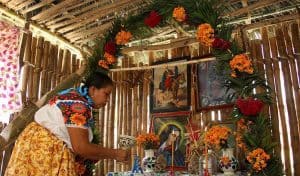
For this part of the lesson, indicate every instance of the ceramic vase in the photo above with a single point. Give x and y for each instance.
(228, 163)
(148, 162)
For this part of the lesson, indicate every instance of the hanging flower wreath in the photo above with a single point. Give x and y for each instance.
(238, 67)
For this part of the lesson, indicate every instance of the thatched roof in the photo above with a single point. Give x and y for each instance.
(81, 21)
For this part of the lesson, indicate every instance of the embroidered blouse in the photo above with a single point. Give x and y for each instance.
(71, 108)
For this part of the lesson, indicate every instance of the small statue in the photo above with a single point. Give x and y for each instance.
(136, 166)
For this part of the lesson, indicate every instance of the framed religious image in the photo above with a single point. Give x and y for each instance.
(171, 129)
(211, 94)
(170, 88)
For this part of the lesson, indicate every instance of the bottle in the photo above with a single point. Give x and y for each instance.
(201, 169)
(209, 164)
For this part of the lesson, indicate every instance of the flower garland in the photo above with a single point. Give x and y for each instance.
(239, 69)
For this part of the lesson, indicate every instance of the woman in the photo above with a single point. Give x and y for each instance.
(62, 130)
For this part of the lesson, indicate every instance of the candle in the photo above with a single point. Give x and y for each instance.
(173, 136)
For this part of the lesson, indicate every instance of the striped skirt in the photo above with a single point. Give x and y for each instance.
(37, 152)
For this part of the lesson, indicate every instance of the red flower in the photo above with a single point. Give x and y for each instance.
(250, 106)
(110, 47)
(153, 19)
(219, 43)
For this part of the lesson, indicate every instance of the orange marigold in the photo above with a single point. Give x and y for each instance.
(258, 159)
(123, 37)
(205, 34)
(148, 141)
(78, 119)
(103, 64)
(241, 63)
(217, 136)
(110, 58)
(179, 14)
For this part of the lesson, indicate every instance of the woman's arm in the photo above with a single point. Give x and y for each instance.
(82, 147)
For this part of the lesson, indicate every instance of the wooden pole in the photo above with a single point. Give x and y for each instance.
(37, 69)
(26, 67)
(44, 68)
(31, 69)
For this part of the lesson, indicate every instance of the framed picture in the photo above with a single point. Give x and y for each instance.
(171, 128)
(170, 89)
(211, 93)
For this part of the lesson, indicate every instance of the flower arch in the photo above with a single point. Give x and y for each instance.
(212, 30)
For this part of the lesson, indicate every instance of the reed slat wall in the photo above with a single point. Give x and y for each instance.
(276, 53)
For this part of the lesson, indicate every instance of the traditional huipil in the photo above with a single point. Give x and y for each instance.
(44, 147)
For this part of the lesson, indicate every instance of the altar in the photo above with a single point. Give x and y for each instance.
(178, 173)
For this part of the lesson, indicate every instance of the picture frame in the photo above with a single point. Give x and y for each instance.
(172, 126)
(170, 87)
(211, 94)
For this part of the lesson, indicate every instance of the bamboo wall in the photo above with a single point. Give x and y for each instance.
(276, 53)
(43, 65)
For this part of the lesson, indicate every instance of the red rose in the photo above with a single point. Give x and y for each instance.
(153, 19)
(110, 47)
(250, 106)
(219, 43)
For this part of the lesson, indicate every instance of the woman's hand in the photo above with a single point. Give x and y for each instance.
(123, 155)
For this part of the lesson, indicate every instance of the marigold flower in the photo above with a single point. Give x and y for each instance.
(103, 64)
(123, 37)
(258, 158)
(148, 141)
(241, 63)
(179, 14)
(205, 34)
(110, 58)
(217, 136)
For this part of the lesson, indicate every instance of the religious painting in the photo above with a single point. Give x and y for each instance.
(171, 128)
(212, 94)
(170, 88)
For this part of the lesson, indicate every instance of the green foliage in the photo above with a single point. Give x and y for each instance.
(259, 136)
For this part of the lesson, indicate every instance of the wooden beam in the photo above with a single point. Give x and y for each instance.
(82, 34)
(272, 21)
(22, 5)
(174, 44)
(93, 15)
(259, 4)
(69, 14)
(89, 38)
(55, 10)
(37, 6)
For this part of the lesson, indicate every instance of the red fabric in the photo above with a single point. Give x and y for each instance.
(9, 70)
